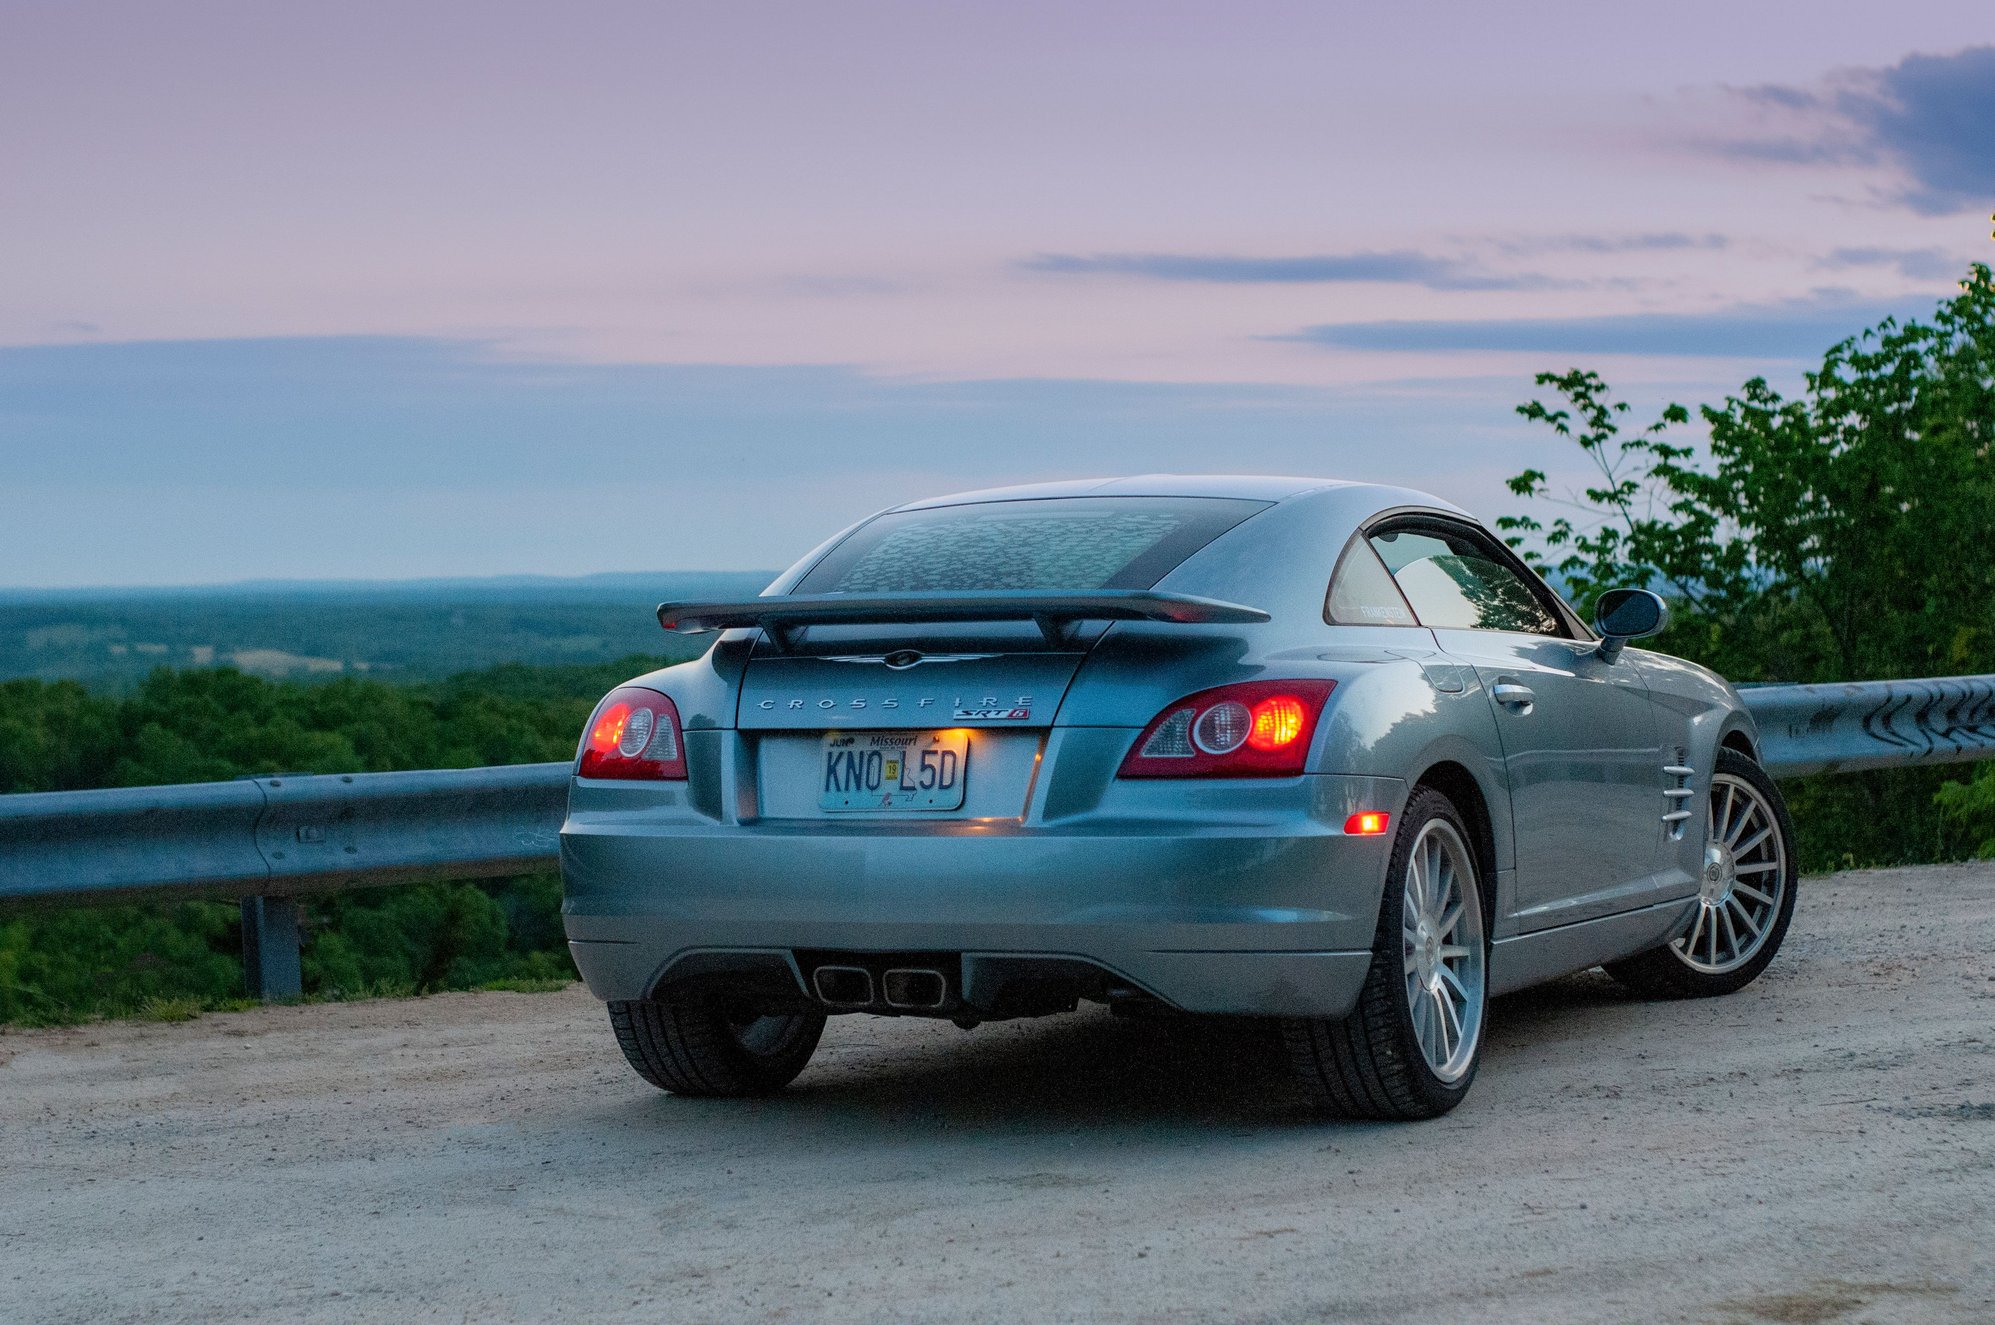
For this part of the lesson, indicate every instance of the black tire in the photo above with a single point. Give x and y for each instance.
(1665, 972)
(691, 1044)
(1370, 1064)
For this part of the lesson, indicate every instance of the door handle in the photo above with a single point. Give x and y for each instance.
(1509, 692)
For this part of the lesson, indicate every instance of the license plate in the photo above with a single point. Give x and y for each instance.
(894, 770)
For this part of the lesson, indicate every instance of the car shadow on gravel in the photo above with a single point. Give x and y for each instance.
(1043, 1076)
(1090, 1068)
(1086, 1065)
(1590, 1003)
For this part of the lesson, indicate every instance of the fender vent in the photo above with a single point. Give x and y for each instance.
(1676, 799)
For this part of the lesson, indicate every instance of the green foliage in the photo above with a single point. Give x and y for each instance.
(170, 1009)
(1968, 809)
(60, 966)
(193, 726)
(1845, 534)
(1645, 533)
(523, 984)
(50, 735)
(1871, 501)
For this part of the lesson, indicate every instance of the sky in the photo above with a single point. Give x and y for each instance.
(386, 290)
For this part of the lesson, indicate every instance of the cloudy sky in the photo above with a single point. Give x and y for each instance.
(373, 289)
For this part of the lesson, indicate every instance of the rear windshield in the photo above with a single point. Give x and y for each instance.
(1060, 543)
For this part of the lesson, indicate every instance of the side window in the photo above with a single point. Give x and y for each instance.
(1454, 582)
(1362, 593)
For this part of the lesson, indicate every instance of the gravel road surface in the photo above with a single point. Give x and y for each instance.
(1818, 1148)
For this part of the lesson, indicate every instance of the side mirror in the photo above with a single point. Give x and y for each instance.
(1624, 614)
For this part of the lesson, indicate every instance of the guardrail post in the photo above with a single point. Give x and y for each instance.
(270, 968)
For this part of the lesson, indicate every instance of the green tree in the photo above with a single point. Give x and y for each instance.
(1846, 533)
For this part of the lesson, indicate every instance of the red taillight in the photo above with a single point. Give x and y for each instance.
(634, 733)
(1367, 823)
(1278, 722)
(1255, 729)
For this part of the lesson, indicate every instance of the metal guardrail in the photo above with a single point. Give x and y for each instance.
(1849, 726)
(268, 840)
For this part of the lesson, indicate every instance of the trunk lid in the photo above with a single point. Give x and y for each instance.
(990, 691)
(869, 678)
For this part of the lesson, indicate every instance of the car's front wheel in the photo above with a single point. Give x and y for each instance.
(691, 1043)
(1410, 1047)
(1745, 897)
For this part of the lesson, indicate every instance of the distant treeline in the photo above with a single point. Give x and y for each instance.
(418, 630)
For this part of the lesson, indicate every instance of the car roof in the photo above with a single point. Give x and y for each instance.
(1255, 487)
(1309, 512)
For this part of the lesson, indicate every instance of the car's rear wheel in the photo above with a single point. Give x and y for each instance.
(691, 1043)
(1745, 899)
(1411, 1046)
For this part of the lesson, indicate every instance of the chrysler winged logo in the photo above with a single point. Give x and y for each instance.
(902, 659)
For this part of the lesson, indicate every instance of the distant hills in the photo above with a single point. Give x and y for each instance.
(110, 638)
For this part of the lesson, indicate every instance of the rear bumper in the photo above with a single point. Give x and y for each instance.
(1242, 897)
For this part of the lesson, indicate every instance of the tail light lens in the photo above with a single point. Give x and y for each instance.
(634, 733)
(1255, 729)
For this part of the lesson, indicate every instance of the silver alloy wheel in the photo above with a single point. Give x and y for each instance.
(1745, 880)
(1442, 949)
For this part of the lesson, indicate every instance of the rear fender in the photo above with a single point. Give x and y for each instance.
(1397, 720)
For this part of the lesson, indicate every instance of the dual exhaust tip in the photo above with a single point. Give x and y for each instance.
(914, 988)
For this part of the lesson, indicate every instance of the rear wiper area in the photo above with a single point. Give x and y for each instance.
(1056, 614)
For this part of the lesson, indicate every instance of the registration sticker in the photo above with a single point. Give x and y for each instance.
(894, 770)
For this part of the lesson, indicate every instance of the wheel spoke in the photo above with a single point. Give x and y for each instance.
(1757, 867)
(1449, 921)
(1451, 1026)
(1752, 892)
(1756, 839)
(1746, 817)
(1448, 974)
(1696, 930)
(1753, 929)
(1711, 931)
(1722, 821)
(1453, 952)
(1731, 930)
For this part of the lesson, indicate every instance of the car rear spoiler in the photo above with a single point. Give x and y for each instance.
(1055, 614)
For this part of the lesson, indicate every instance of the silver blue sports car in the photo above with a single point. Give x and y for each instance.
(1324, 753)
